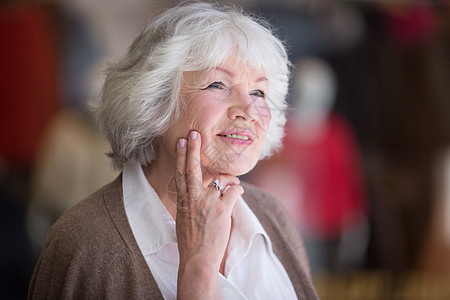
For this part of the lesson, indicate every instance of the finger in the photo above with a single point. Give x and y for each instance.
(194, 178)
(180, 172)
(225, 181)
(231, 194)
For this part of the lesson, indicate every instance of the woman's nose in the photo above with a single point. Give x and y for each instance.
(242, 106)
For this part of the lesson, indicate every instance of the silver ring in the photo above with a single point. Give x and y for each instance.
(217, 185)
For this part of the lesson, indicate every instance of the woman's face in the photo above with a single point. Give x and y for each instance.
(227, 106)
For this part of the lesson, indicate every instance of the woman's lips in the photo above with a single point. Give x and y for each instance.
(238, 137)
(235, 140)
(240, 133)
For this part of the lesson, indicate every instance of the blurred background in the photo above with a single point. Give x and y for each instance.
(365, 171)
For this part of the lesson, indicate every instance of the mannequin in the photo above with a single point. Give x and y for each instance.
(314, 92)
(317, 175)
(324, 153)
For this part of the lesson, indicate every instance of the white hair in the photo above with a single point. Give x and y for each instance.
(141, 93)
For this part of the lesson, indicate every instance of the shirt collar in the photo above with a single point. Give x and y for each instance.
(152, 224)
(154, 227)
(246, 227)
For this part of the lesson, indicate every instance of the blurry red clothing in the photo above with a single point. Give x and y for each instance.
(413, 23)
(329, 178)
(28, 78)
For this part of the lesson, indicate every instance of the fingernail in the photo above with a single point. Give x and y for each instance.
(193, 135)
(181, 143)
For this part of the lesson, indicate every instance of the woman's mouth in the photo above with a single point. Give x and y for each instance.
(236, 136)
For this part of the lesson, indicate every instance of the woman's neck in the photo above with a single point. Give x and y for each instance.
(162, 181)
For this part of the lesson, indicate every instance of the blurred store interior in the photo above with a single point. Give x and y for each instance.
(365, 171)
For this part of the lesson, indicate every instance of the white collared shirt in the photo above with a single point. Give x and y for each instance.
(252, 271)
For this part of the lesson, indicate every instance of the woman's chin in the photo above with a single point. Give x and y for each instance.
(234, 165)
(234, 169)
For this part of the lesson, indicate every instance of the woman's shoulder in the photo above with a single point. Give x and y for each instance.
(88, 234)
(83, 247)
(90, 217)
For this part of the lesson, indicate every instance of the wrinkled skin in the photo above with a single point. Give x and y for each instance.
(196, 149)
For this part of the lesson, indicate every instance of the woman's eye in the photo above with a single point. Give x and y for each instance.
(216, 85)
(258, 93)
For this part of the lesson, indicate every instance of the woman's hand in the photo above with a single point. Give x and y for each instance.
(203, 222)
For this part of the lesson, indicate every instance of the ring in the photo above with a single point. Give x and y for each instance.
(217, 185)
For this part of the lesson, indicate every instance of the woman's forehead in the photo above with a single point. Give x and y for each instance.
(231, 69)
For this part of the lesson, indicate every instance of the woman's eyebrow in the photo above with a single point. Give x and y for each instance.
(229, 73)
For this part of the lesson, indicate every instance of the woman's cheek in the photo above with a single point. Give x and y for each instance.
(263, 118)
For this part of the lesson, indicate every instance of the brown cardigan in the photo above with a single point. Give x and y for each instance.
(91, 252)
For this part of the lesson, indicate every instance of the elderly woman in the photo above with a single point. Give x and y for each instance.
(197, 101)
